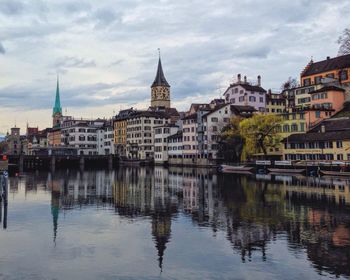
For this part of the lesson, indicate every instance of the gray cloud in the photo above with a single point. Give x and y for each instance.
(2, 49)
(74, 62)
(11, 7)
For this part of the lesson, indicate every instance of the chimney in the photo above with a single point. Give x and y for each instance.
(245, 79)
(259, 81)
(328, 58)
(239, 78)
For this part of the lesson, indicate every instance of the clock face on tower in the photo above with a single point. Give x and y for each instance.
(160, 93)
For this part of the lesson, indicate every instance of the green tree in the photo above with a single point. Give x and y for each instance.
(230, 142)
(260, 133)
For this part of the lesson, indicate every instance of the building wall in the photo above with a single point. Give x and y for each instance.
(82, 134)
(293, 122)
(161, 134)
(340, 150)
(302, 95)
(175, 150)
(189, 140)
(139, 140)
(275, 103)
(14, 142)
(237, 95)
(215, 122)
(331, 99)
(334, 74)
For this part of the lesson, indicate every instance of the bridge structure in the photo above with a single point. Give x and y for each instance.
(51, 162)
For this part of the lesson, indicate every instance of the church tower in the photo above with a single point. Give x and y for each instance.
(57, 109)
(160, 89)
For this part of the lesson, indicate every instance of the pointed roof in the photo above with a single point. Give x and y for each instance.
(57, 108)
(160, 78)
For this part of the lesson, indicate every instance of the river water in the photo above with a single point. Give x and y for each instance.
(158, 223)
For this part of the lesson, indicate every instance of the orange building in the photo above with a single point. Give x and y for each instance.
(325, 102)
(337, 68)
(54, 136)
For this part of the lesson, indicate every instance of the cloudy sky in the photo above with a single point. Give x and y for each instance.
(106, 51)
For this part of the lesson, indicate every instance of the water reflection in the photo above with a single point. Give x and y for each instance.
(311, 214)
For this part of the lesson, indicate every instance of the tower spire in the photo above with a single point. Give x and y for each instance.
(160, 78)
(57, 108)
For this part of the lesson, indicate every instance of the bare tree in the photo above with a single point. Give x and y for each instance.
(290, 83)
(344, 42)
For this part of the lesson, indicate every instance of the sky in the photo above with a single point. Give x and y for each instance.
(106, 52)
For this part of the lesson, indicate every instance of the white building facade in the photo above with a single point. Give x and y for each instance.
(161, 134)
(247, 94)
(81, 134)
(140, 133)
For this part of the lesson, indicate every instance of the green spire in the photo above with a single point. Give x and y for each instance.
(57, 108)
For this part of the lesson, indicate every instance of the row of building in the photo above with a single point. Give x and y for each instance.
(314, 114)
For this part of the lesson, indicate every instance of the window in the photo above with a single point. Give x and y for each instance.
(294, 127)
(339, 144)
(302, 127)
(214, 119)
(318, 79)
(252, 98)
(343, 75)
(261, 99)
(233, 100)
(215, 128)
(340, 157)
(241, 98)
(307, 82)
(330, 75)
(286, 128)
(317, 114)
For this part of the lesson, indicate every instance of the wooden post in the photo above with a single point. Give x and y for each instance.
(53, 163)
(110, 162)
(21, 163)
(82, 162)
(4, 189)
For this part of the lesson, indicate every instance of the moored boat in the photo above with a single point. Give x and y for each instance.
(235, 168)
(335, 173)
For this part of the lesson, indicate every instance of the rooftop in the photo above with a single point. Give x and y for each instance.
(317, 136)
(329, 64)
(160, 78)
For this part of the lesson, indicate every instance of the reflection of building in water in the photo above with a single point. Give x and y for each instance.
(333, 190)
(312, 214)
(317, 218)
(55, 204)
(142, 191)
(134, 191)
(165, 207)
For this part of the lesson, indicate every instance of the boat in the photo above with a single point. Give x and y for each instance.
(235, 168)
(335, 173)
(286, 170)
